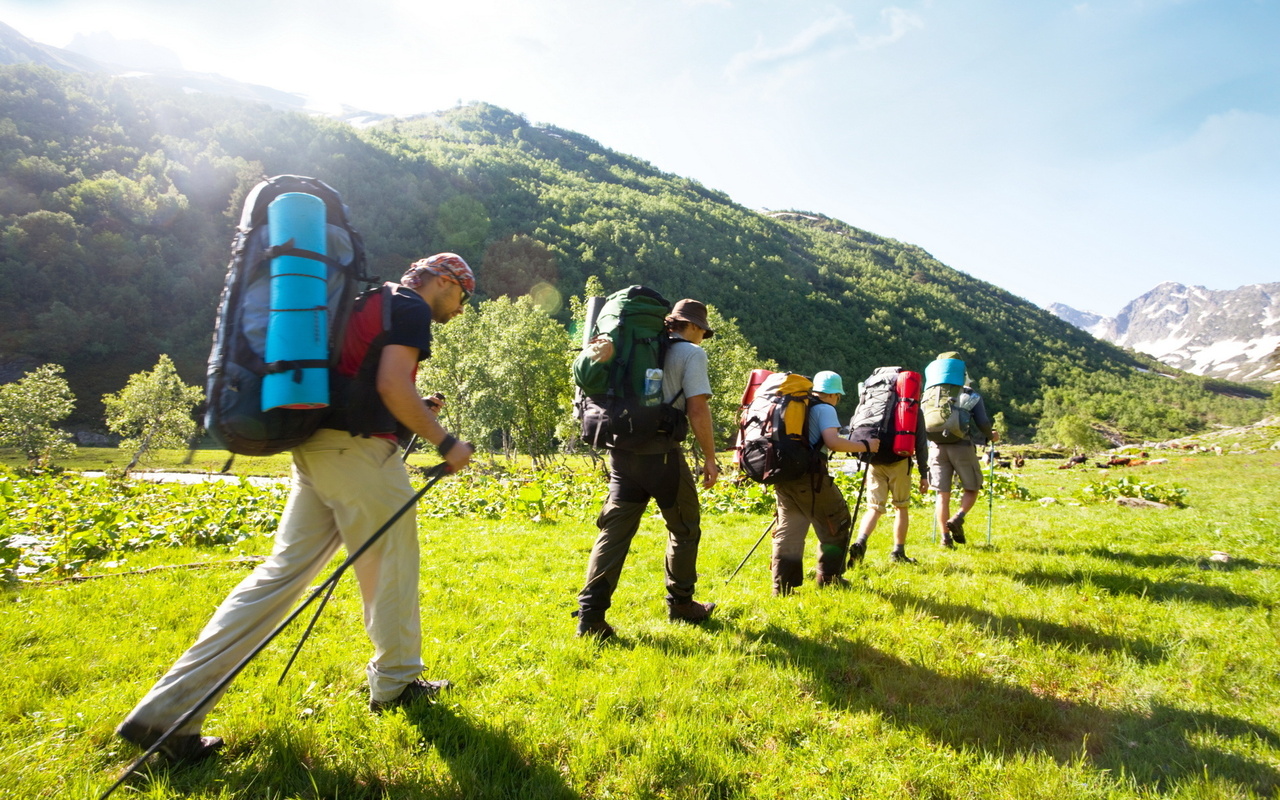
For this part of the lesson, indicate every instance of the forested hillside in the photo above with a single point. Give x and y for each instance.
(117, 203)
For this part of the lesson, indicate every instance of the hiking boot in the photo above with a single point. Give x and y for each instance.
(831, 582)
(857, 551)
(947, 543)
(190, 748)
(689, 611)
(955, 527)
(418, 690)
(598, 630)
(899, 557)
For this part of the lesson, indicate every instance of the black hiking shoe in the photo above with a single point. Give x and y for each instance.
(947, 543)
(857, 551)
(190, 748)
(412, 693)
(955, 526)
(598, 630)
(899, 557)
(689, 611)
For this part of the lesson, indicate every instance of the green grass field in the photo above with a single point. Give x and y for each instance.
(1090, 651)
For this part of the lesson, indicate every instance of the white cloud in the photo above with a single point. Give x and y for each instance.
(1235, 144)
(835, 31)
(901, 22)
(808, 42)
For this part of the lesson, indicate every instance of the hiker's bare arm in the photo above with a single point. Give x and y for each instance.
(836, 443)
(398, 392)
(698, 408)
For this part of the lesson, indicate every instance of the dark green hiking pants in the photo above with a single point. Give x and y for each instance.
(633, 481)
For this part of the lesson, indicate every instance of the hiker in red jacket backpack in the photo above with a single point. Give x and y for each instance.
(348, 480)
(891, 482)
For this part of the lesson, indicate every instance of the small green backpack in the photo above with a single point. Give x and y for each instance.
(622, 406)
(948, 412)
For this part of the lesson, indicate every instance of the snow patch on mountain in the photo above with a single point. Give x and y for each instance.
(1232, 334)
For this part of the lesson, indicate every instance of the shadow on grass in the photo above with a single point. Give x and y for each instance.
(1014, 627)
(1154, 560)
(1147, 560)
(1161, 748)
(485, 762)
(1121, 584)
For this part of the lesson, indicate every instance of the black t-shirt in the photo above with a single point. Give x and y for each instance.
(410, 321)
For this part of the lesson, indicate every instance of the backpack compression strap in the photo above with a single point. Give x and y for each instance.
(287, 248)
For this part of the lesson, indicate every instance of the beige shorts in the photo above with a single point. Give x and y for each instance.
(948, 460)
(889, 480)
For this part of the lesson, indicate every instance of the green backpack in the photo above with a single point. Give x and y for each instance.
(622, 406)
(948, 412)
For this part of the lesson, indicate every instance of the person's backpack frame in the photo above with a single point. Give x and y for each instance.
(237, 365)
(948, 412)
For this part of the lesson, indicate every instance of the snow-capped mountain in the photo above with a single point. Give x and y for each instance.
(1232, 334)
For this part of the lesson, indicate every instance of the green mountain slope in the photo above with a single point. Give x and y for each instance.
(117, 203)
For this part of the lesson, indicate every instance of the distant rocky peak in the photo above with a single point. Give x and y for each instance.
(1221, 333)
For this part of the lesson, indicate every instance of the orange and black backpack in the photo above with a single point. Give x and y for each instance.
(773, 431)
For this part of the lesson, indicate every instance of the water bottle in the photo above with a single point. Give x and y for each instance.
(652, 386)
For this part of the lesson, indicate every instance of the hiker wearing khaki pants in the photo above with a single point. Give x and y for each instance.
(956, 423)
(348, 480)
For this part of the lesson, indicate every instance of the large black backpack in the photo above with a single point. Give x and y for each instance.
(888, 410)
(237, 364)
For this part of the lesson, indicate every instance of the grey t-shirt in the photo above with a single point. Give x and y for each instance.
(685, 368)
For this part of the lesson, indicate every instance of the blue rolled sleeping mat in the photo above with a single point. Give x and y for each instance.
(944, 370)
(298, 323)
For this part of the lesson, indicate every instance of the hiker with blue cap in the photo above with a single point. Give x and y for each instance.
(814, 499)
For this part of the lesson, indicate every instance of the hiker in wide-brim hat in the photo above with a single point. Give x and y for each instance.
(693, 312)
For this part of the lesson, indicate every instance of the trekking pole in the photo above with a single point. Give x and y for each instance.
(991, 497)
(853, 524)
(768, 528)
(437, 472)
(433, 402)
(861, 488)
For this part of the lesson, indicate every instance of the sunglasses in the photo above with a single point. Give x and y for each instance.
(465, 294)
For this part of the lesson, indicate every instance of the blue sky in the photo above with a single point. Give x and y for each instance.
(1079, 152)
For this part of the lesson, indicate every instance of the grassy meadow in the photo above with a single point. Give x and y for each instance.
(1088, 651)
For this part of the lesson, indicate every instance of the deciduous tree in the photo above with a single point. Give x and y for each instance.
(29, 407)
(153, 411)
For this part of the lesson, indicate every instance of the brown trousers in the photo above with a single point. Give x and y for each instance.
(812, 500)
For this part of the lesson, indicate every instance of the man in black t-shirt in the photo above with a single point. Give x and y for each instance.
(344, 487)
